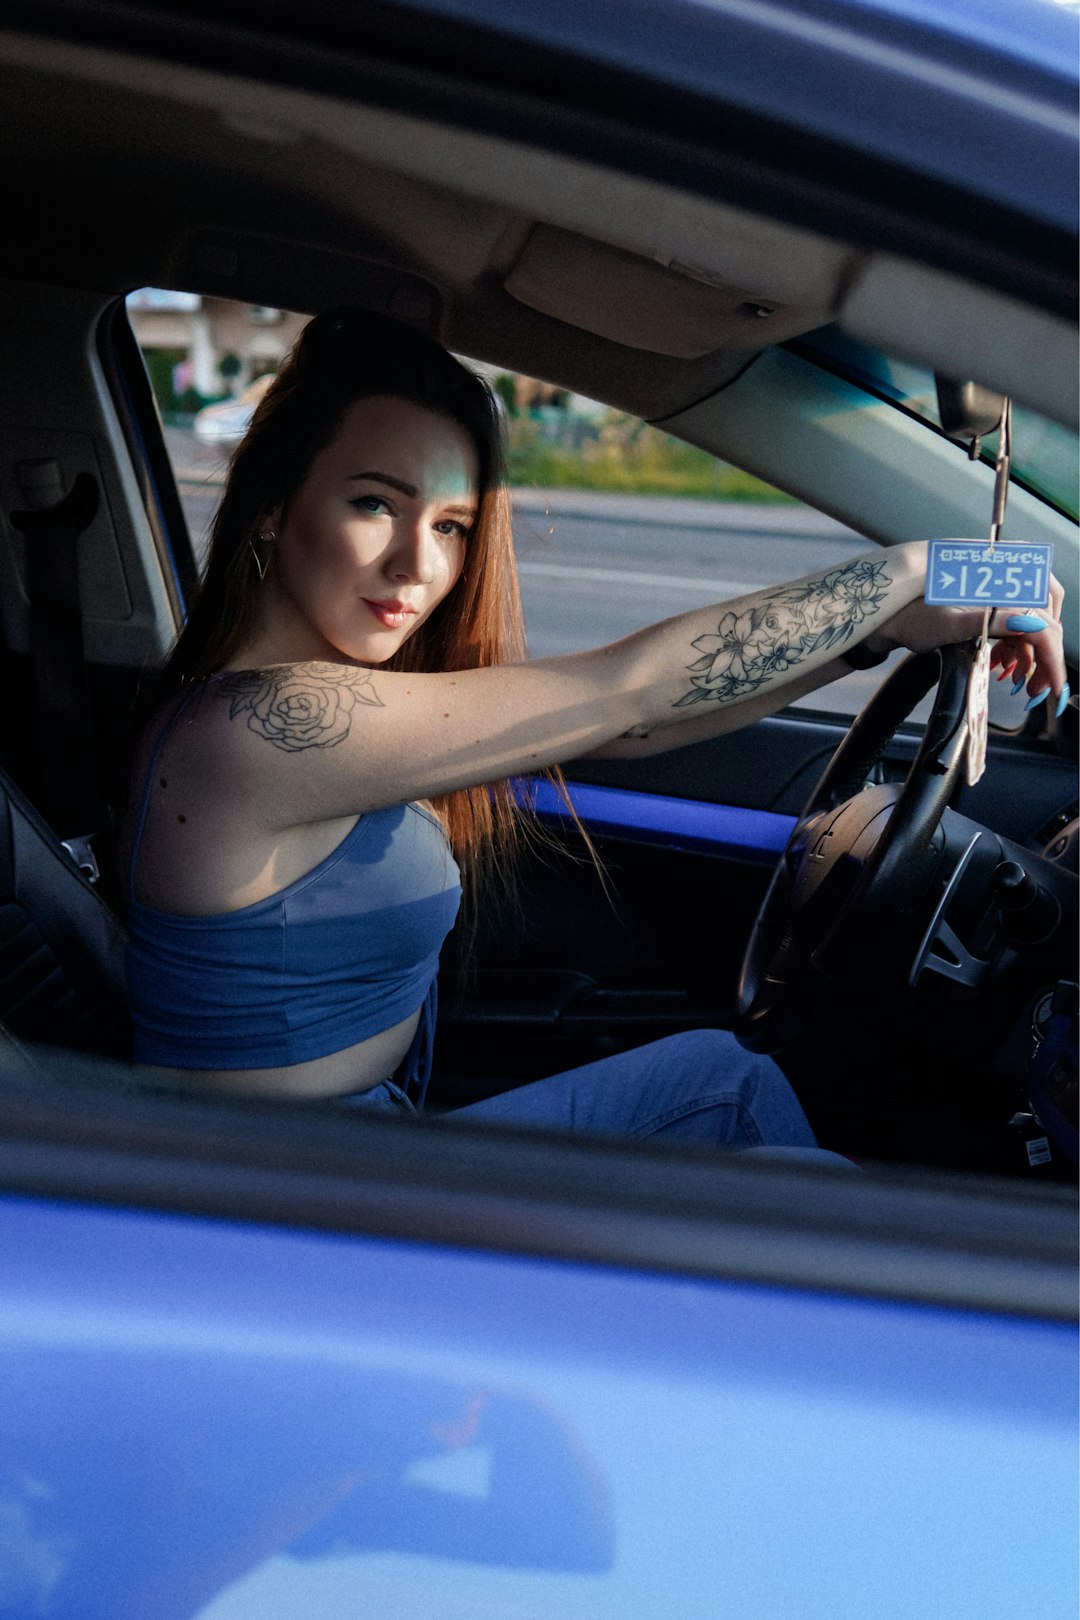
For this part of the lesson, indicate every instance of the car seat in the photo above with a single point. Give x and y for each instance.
(61, 948)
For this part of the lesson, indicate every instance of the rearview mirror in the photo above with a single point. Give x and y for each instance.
(967, 409)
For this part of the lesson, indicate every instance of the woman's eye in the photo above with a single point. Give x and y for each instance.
(375, 504)
(451, 526)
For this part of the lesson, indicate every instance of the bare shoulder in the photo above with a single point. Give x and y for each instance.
(297, 706)
(213, 821)
(308, 742)
(288, 742)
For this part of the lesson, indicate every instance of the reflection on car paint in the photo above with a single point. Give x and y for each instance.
(215, 1419)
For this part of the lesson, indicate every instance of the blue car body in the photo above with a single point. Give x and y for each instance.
(300, 1423)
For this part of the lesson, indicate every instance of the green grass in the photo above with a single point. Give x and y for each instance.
(624, 456)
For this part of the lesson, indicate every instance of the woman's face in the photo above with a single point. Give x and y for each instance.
(374, 538)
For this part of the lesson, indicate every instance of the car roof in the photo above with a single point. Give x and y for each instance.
(912, 82)
(631, 202)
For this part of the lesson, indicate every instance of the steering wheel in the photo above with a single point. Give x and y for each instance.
(856, 857)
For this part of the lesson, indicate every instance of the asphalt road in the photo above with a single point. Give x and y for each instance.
(594, 567)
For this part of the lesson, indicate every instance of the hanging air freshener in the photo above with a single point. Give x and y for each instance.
(966, 573)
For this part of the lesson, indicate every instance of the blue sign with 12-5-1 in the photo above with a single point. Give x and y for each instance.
(966, 573)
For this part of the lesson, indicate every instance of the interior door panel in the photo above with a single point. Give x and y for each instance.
(775, 764)
(578, 965)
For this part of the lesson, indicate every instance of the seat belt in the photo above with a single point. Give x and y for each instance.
(51, 525)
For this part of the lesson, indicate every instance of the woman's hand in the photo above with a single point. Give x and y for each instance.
(1028, 643)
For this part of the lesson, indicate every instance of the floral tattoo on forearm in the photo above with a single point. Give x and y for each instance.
(787, 628)
(310, 706)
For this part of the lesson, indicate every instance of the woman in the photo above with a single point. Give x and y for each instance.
(334, 735)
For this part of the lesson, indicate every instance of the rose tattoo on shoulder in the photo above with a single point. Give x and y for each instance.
(310, 706)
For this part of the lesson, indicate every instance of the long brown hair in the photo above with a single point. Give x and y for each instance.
(342, 356)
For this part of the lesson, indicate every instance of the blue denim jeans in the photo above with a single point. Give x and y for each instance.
(700, 1086)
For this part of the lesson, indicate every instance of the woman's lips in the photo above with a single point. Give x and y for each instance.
(394, 615)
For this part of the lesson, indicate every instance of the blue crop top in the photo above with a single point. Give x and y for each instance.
(345, 952)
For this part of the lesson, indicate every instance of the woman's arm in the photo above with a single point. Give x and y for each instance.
(314, 742)
(718, 722)
(916, 627)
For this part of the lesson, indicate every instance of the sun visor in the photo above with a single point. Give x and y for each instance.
(289, 274)
(618, 295)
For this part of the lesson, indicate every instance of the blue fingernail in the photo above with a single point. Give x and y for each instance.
(1018, 687)
(1032, 702)
(1063, 701)
(1025, 621)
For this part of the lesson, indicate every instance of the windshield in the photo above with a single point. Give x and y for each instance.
(1045, 455)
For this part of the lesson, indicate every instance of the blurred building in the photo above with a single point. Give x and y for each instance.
(200, 349)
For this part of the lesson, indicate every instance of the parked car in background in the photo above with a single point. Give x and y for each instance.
(228, 421)
(268, 1361)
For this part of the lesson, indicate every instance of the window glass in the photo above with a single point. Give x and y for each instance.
(209, 361)
(617, 525)
(1045, 456)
